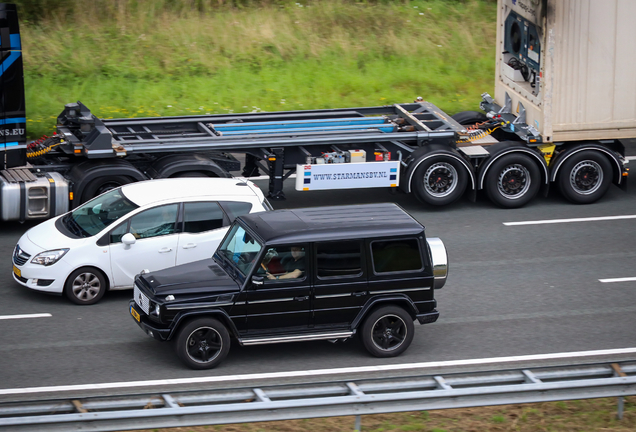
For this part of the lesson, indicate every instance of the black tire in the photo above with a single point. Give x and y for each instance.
(85, 286)
(439, 180)
(468, 118)
(202, 343)
(103, 184)
(387, 331)
(513, 180)
(585, 177)
(186, 174)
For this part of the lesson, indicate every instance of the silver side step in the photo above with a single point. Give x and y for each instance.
(296, 338)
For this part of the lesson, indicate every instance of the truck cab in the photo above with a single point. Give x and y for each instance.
(323, 273)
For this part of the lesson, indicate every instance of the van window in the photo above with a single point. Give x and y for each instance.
(396, 256)
(202, 216)
(341, 258)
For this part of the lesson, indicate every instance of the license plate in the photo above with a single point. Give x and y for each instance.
(17, 271)
(135, 314)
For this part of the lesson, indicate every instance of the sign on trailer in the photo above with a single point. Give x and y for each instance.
(347, 175)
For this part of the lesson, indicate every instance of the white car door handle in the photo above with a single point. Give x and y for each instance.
(190, 246)
(164, 250)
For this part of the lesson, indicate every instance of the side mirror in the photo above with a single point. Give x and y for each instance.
(257, 280)
(128, 239)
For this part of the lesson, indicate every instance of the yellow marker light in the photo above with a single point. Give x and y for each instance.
(78, 151)
(305, 189)
(271, 159)
(70, 196)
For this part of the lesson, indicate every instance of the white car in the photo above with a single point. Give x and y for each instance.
(149, 225)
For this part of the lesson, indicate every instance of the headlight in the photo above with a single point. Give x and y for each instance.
(49, 257)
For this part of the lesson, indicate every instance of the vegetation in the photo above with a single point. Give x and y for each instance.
(125, 58)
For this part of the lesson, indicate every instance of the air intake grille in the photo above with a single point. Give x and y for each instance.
(20, 257)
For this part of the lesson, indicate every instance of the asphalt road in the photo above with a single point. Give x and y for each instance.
(512, 290)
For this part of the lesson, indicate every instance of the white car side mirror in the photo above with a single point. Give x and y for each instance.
(128, 239)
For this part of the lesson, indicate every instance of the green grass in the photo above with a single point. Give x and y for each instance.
(159, 60)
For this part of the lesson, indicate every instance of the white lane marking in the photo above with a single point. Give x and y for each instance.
(555, 221)
(38, 315)
(339, 371)
(625, 279)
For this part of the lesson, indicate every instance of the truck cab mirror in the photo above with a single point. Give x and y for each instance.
(128, 240)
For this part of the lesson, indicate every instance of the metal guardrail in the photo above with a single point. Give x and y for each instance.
(337, 398)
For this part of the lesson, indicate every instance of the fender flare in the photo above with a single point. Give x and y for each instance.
(427, 152)
(168, 166)
(83, 173)
(572, 150)
(507, 147)
(209, 313)
(403, 299)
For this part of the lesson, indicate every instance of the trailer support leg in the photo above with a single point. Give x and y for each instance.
(276, 162)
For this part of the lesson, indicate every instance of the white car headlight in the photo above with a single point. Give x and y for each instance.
(48, 258)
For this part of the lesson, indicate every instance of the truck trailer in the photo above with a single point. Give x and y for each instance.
(565, 96)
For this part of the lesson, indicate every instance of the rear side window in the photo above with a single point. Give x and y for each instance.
(202, 216)
(338, 259)
(396, 256)
(235, 209)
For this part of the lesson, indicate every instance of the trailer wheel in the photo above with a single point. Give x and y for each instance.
(202, 343)
(439, 181)
(467, 118)
(185, 174)
(512, 181)
(103, 184)
(585, 177)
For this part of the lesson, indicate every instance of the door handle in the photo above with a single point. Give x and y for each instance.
(190, 246)
(301, 298)
(164, 250)
(359, 293)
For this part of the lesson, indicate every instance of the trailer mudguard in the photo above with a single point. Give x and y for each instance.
(86, 172)
(12, 112)
(430, 150)
(174, 165)
(569, 150)
(507, 147)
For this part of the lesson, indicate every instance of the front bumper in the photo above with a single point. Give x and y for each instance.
(149, 327)
(42, 278)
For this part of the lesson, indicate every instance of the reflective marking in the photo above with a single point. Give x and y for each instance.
(625, 279)
(555, 221)
(305, 373)
(397, 290)
(38, 315)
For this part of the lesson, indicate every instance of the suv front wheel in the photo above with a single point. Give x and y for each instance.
(387, 331)
(202, 343)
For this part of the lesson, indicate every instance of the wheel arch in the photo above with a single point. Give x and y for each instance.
(497, 151)
(571, 150)
(399, 300)
(182, 318)
(427, 152)
(91, 266)
(171, 165)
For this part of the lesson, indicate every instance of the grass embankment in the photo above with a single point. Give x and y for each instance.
(140, 58)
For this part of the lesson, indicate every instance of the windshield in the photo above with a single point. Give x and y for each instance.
(240, 249)
(92, 217)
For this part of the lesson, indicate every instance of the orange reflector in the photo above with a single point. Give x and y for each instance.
(271, 159)
(305, 189)
(625, 174)
(533, 140)
(70, 196)
(77, 151)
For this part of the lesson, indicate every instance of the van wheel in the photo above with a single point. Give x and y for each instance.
(387, 331)
(85, 286)
(512, 181)
(202, 343)
(585, 177)
(439, 181)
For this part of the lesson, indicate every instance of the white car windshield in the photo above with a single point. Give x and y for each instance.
(240, 249)
(95, 215)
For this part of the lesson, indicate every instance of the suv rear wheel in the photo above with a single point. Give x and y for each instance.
(387, 331)
(202, 343)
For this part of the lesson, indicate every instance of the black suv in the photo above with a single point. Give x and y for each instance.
(322, 273)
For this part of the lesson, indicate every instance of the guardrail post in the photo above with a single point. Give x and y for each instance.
(358, 426)
(621, 404)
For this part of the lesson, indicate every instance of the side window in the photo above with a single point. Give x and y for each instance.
(396, 256)
(235, 209)
(115, 234)
(154, 222)
(202, 216)
(283, 263)
(340, 258)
